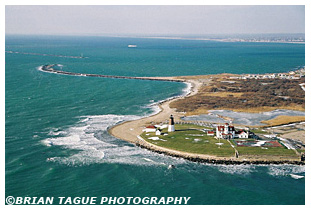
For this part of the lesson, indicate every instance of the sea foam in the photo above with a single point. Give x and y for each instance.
(285, 170)
(93, 144)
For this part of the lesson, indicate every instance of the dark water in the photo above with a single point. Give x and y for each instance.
(56, 125)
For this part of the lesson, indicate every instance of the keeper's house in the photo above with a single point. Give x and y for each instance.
(225, 131)
(228, 132)
(242, 134)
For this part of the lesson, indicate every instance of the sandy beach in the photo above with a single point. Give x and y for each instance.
(129, 130)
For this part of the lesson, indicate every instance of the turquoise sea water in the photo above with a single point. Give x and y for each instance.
(56, 125)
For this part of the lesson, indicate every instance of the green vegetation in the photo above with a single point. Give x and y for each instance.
(272, 151)
(189, 138)
(301, 151)
(259, 131)
(276, 151)
(179, 127)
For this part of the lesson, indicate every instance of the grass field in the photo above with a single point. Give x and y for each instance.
(274, 151)
(191, 138)
(259, 131)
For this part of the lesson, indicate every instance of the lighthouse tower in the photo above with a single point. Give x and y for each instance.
(171, 124)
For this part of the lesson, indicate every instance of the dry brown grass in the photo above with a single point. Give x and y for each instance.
(198, 111)
(266, 109)
(223, 94)
(282, 119)
(242, 96)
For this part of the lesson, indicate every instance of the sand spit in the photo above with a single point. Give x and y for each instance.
(129, 131)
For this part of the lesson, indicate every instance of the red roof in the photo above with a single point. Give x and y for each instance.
(210, 131)
(221, 128)
(150, 126)
(240, 131)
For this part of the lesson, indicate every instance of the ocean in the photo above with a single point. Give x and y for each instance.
(56, 139)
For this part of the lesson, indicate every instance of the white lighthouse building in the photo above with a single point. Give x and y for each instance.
(171, 124)
(225, 131)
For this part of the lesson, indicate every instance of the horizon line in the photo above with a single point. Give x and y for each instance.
(157, 35)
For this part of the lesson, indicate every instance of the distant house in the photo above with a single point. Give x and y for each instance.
(210, 133)
(150, 128)
(242, 134)
(282, 76)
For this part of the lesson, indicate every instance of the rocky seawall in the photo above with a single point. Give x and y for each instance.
(213, 159)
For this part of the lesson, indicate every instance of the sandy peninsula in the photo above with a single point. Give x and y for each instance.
(131, 130)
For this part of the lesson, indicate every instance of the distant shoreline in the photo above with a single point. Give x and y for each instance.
(215, 39)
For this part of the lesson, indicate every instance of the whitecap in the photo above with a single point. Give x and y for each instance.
(236, 169)
(285, 170)
(93, 144)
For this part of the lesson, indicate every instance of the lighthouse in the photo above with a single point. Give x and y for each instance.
(171, 126)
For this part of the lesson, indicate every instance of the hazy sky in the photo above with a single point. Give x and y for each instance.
(154, 20)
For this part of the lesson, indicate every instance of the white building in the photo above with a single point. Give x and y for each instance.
(171, 125)
(210, 133)
(158, 133)
(242, 134)
(225, 131)
(150, 128)
(228, 132)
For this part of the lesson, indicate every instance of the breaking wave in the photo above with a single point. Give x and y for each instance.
(236, 169)
(93, 144)
(285, 170)
(154, 106)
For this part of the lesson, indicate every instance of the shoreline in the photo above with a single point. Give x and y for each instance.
(130, 131)
(231, 40)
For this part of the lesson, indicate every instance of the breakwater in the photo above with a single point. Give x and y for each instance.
(51, 69)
